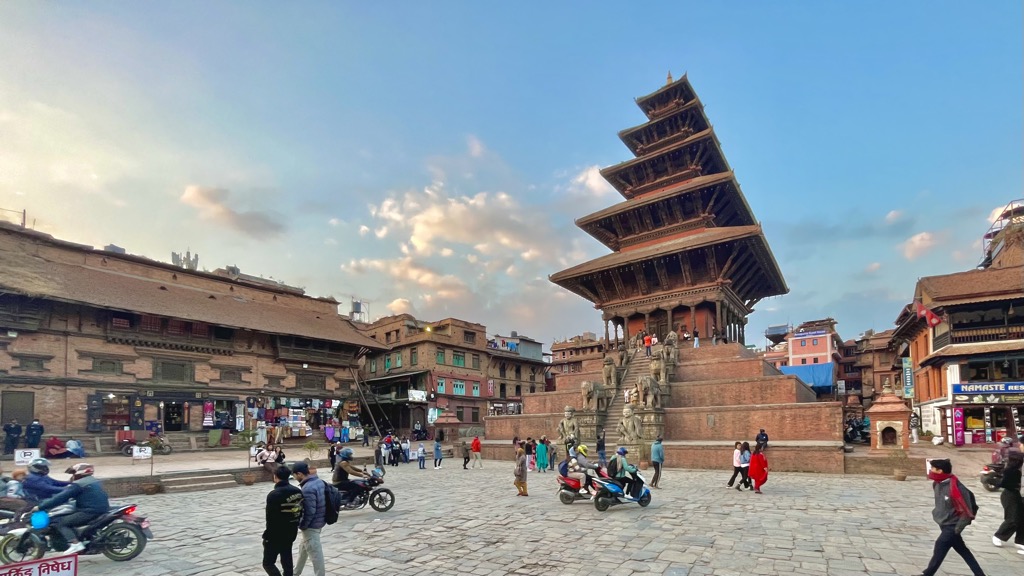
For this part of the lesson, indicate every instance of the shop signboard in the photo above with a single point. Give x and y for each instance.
(990, 399)
(989, 388)
(841, 387)
(958, 426)
(58, 566)
(417, 395)
(908, 379)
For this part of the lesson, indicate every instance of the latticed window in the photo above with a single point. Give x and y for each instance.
(200, 330)
(150, 324)
(105, 366)
(176, 327)
(166, 371)
(122, 321)
(310, 381)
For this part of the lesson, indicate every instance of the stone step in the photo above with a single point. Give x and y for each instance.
(179, 481)
(199, 487)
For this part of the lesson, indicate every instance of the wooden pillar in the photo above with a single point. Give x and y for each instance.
(647, 322)
(607, 341)
(625, 329)
(719, 315)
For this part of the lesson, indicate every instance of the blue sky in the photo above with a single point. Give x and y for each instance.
(431, 157)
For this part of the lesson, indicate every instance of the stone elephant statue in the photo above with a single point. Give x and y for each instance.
(648, 392)
(595, 395)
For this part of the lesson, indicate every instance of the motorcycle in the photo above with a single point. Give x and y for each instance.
(119, 535)
(380, 499)
(611, 493)
(162, 445)
(991, 476)
(569, 488)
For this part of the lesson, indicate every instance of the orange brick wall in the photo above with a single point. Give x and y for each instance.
(766, 390)
(813, 421)
(825, 460)
(526, 425)
(552, 402)
(721, 369)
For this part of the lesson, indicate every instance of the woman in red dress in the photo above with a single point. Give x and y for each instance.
(758, 471)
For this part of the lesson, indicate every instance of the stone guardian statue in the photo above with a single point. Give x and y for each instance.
(630, 427)
(569, 428)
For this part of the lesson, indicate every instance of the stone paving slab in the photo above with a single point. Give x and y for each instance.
(455, 521)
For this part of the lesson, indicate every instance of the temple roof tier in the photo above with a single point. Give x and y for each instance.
(698, 155)
(667, 130)
(667, 99)
(704, 202)
(737, 255)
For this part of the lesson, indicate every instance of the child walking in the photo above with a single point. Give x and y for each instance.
(520, 472)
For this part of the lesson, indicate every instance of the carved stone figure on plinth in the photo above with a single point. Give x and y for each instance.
(648, 392)
(610, 374)
(671, 349)
(657, 364)
(595, 396)
(622, 355)
(630, 427)
(569, 428)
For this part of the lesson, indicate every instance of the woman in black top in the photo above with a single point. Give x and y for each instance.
(1013, 507)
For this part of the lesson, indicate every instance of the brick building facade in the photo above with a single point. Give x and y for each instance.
(94, 341)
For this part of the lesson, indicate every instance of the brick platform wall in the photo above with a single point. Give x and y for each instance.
(720, 370)
(765, 390)
(825, 460)
(882, 466)
(548, 402)
(526, 425)
(817, 421)
(569, 381)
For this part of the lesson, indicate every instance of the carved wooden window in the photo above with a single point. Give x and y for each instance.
(176, 327)
(475, 415)
(200, 330)
(122, 320)
(459, 413)
(172, 371)
(106, 366)
(151, 324)
(519, 372)
(275, 381)
(230, 376)
(310, 382)
(31, 364)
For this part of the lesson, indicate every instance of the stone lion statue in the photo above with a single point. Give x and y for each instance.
(595, 395)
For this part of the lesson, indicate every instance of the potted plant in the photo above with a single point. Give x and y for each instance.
(899, 462)
(247, 439)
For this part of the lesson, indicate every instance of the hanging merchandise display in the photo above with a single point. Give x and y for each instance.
(207, 413)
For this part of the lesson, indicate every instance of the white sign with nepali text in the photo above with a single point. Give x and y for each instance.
(25, 456)
(59, 566)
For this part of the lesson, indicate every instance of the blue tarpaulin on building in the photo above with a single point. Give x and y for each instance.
(817, 376)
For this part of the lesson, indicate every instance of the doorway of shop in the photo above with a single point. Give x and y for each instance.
(174, 417)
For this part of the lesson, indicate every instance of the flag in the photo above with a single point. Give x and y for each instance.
(930, 317)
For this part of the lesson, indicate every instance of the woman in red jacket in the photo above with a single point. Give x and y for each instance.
(758, 471)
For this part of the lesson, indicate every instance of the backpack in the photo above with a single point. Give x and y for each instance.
(332, 503)
(563, 467)
(613, 467)
(968, 497)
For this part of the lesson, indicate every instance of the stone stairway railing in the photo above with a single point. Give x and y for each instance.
(637, 367)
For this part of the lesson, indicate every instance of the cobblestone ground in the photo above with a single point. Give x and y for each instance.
(453, 521)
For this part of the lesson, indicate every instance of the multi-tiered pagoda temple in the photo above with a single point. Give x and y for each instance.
(687, 252)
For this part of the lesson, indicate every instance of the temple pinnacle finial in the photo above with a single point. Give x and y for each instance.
(669, 79)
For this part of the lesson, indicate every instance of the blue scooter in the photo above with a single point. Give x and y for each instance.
(610, 492)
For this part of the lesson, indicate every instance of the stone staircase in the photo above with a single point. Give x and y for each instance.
(637, 367)
(188, 482)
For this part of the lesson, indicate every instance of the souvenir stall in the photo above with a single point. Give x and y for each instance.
(277, 419)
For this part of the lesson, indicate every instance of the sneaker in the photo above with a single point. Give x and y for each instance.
(1020, 547)
(75, 548)
(582, 491)
(997, 542)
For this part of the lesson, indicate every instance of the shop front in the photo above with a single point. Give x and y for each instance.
(278, 418)
(984, 412)
(114, 411)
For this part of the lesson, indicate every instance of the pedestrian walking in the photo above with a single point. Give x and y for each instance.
(601, 454)
(332, 455)
(465, 455)
(12, 431)
(378, 456)
(736, 470)
(438, 456)
(552, 455)
(758, 470)
(1013, 507)
(657, 460)
(915, 425)
(542, 454)
(744, 467)
(647, 345)
(33, 433)
(529, 446)
(475, 447)
(314, 510)
(696, 338)
(954, 510)
(405, 448)
(520, 472)
(421, 457)
(284, 511)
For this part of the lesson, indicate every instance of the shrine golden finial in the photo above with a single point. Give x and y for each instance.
(669, 79)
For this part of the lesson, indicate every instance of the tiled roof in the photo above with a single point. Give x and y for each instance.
(36, 277)
(986, 284)
(682, 188)
(707, 237)
(955, 350)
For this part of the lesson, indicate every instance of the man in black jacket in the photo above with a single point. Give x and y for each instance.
(284, 510)
(954, 510)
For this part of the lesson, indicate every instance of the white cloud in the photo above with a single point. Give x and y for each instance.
(409, 275)
(589, 182)
(212, 204)
(381, 232)
(364, 230)
(446, 252)
(995, 213)
(873, 267)
(476, 147)
(893, 216)
(330, 242)
(401, 306)
(917, 245)
(334, 222)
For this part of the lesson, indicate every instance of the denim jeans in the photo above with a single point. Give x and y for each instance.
(311, 548)
(948, 538)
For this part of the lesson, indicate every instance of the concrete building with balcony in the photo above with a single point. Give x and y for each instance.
(97, 341)
(965, 372)
(446, 366)
(812, 351)
(568, 356)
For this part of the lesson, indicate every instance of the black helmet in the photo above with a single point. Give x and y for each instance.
(39, 466)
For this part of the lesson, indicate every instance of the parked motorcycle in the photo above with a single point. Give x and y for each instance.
(380, 499)
(611, 492)
(119, 535)
(163, 446)
(569, 488)
(991, 476)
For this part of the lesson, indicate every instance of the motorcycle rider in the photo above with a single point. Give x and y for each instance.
(38, 484)
(91, 502)
(623, 471)
(579, 468)
(341, 475)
